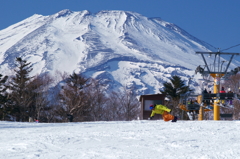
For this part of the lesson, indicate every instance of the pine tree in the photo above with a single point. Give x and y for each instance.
(173, 90)
(4, 110)
(21, 96)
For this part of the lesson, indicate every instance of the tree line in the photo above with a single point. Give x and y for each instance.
(23, 97)
(83, 99)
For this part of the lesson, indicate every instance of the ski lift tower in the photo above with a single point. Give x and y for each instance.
(217, 70)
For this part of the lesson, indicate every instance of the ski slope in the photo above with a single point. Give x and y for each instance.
(121, 140)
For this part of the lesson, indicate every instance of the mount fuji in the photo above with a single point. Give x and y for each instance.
(122, 48)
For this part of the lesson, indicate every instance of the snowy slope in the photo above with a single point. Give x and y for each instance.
(121, 140)
(120, 47)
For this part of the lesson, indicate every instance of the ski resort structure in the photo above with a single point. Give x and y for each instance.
(208, 101)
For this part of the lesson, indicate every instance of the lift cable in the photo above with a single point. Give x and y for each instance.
(230, 47)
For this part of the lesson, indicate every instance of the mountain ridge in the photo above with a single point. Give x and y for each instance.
(121, 48)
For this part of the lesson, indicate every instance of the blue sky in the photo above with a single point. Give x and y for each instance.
(216, 22)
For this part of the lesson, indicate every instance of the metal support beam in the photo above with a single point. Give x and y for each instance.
(216, 74)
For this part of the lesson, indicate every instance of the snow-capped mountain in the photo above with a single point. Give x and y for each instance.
(121, 48)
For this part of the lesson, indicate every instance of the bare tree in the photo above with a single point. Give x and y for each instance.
(114, 111)
(57, 113)
(236, 109)
(96, 100)
(130, 104)
(40, 85)
(233, 83)
(72, 96)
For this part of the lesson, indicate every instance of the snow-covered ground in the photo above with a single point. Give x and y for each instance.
(121, 140)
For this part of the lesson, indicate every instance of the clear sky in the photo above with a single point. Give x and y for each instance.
(216, 22)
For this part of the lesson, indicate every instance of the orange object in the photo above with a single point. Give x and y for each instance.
(167, 117)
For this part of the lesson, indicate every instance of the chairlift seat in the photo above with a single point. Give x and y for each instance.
(226, 116)
(224, 96)
(193, 106)
(209, 96)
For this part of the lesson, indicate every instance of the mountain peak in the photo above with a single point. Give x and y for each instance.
(63, 13)
(121, 48)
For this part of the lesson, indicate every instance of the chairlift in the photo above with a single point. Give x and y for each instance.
(187, 104)
(188, 101)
